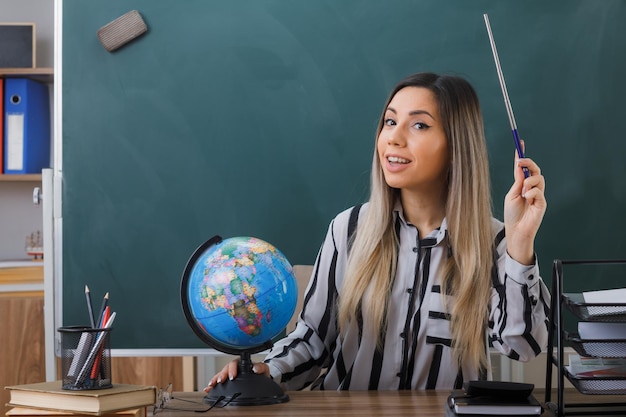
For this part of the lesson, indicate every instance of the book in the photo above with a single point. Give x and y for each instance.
(463, 404)
(36, 412)
(51, 396)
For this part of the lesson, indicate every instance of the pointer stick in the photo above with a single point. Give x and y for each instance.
(507, 102)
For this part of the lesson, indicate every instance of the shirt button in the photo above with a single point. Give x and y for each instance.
(415, 249)
(533, 300)
(531, 276)
(403, 335)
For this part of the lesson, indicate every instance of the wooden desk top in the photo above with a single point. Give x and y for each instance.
(354, 403)
(330, 403)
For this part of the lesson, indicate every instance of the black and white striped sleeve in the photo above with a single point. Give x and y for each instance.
(519, 307)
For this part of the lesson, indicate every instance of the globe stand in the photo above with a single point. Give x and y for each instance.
(247, 388)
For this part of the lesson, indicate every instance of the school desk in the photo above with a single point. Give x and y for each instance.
(355, 403)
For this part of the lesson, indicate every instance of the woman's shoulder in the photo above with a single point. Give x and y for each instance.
(345, 223)
(349, 215)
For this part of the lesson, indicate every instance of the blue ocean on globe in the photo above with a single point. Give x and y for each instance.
(242, 292)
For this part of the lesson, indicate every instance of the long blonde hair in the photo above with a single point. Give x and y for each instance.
(467, 274)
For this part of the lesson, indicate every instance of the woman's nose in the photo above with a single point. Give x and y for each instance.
(395, 138)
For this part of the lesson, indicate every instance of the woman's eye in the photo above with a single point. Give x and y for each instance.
(390, 122)
(420, 125)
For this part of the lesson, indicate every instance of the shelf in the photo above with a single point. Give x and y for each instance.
(43, 74)
(598, 385)
(20, 177)
(605, 312)
(28, 273)
(611, 348)
(600, 348)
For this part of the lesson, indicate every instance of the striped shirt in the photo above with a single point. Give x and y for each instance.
(417, 351)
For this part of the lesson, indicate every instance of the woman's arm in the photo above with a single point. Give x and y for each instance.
(519, 308)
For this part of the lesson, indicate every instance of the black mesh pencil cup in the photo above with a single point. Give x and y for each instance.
(85, 358)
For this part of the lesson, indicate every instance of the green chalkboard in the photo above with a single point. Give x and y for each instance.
(257, 118)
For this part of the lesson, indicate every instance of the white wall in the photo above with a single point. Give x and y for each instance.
(18, 216)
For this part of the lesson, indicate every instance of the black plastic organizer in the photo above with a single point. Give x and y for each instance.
(593, 385)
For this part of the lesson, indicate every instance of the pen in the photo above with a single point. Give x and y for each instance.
(505, 94)
(89, 307)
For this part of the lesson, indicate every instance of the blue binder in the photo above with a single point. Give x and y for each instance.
(26, 126)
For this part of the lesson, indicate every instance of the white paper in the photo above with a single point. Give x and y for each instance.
(615, 296)
(601, 330)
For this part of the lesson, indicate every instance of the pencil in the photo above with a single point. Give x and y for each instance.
(89, 307)
(101, 318)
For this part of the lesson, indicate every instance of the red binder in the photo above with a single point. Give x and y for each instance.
(1, 126)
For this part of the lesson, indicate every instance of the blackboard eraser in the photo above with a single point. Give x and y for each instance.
(122, 30)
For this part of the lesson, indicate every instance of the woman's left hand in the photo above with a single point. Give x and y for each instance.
(524, 207)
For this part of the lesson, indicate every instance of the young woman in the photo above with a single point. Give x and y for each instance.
(411, 289)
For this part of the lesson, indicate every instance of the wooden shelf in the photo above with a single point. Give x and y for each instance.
(22, 274)
(43, 74)
(20, 177)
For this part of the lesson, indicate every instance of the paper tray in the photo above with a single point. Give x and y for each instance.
(609, 312)
(598, 385)
(611, 348)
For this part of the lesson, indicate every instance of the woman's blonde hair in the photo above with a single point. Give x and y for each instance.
(467, 274)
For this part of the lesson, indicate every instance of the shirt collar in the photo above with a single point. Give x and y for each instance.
(438, 234)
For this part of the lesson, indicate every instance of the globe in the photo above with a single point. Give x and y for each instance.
(238, 294)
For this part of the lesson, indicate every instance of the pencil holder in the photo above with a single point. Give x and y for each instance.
(85, 358)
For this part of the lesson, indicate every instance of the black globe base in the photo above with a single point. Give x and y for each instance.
(247, 388)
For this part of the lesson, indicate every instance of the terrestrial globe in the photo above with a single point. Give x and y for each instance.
(238, 294)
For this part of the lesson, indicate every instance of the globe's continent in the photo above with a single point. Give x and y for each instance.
(242, 292)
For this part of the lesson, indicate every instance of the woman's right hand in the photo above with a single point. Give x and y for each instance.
(229, 372)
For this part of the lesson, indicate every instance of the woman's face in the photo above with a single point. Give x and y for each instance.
(412, 146)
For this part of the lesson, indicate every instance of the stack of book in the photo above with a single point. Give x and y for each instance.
(493, 398)
(50, 399)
